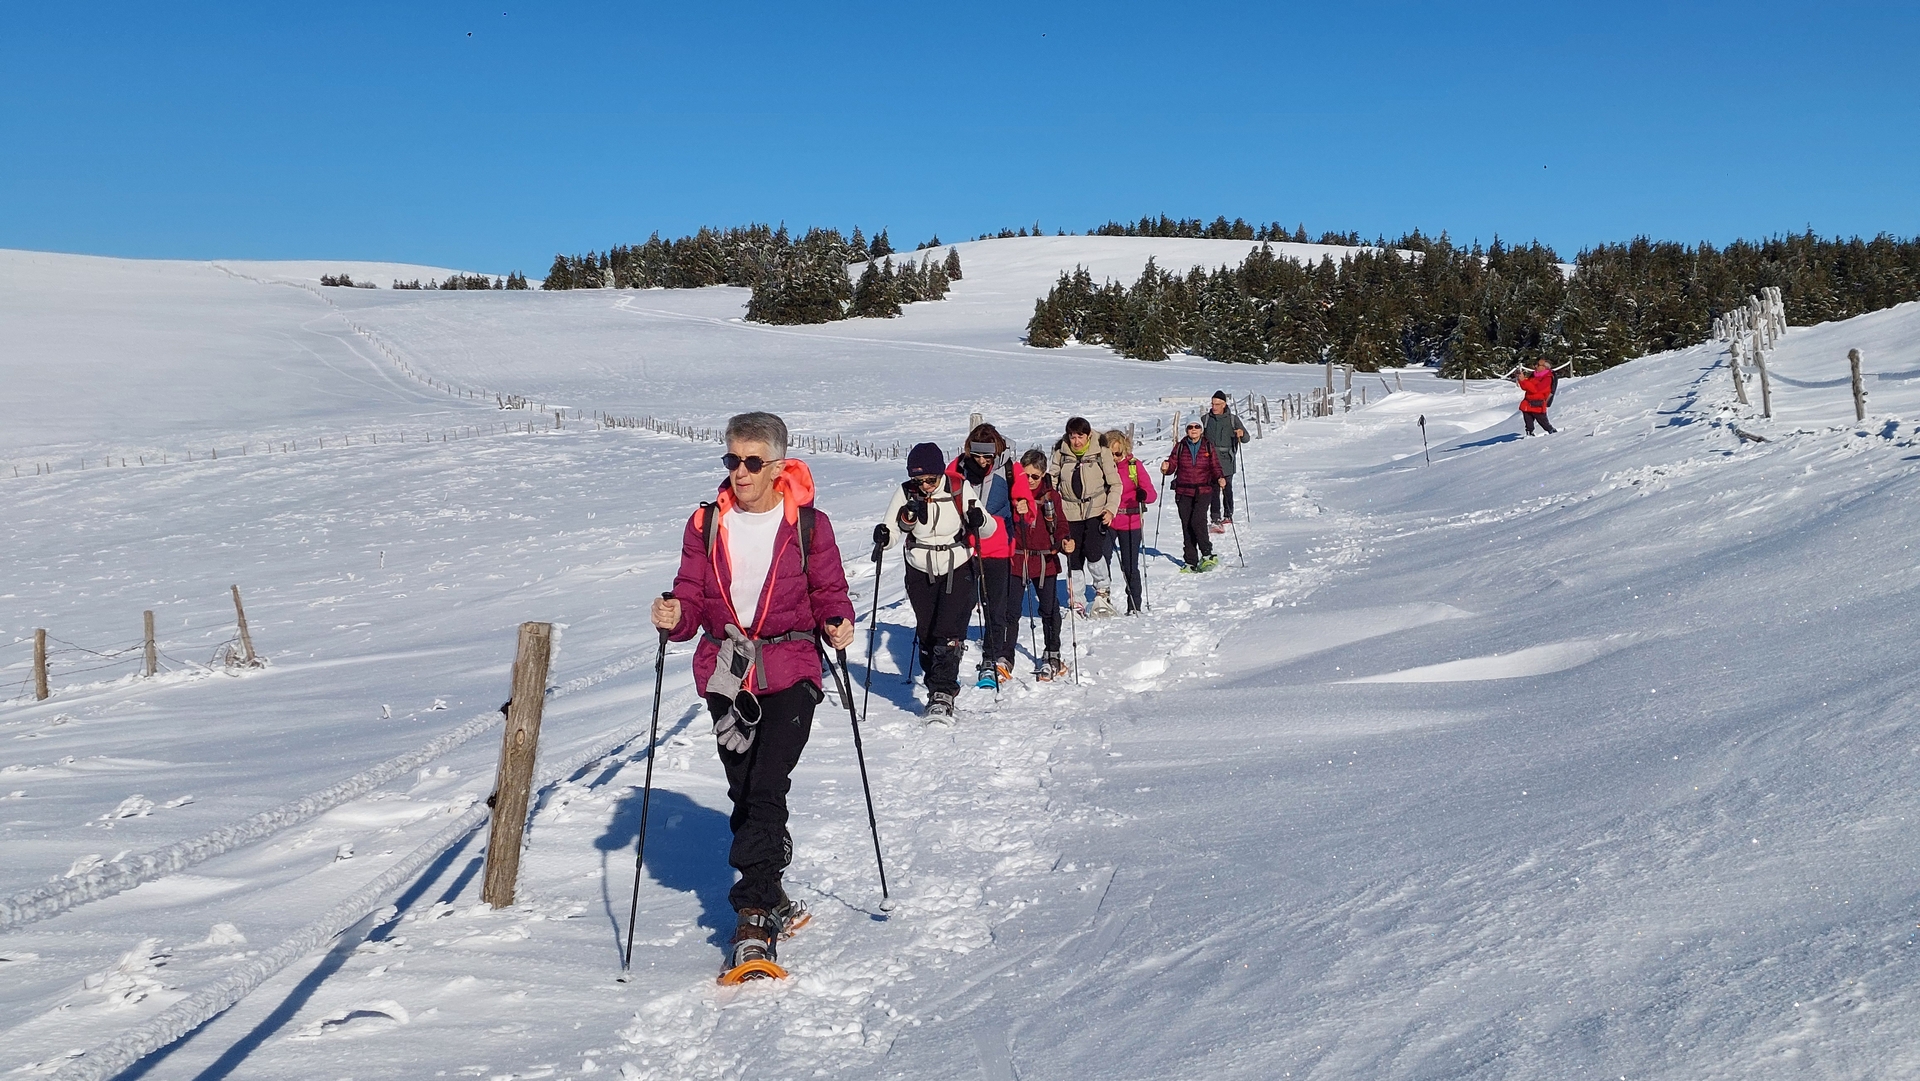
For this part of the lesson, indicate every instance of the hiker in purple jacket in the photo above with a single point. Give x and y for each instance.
(1196, 473)
(762, 611)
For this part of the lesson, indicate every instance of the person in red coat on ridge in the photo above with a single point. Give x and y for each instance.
(1536, 393)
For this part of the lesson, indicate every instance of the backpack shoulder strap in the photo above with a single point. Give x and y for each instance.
(709, 518)
(805, 527)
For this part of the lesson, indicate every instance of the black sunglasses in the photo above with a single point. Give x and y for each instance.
(754, 464)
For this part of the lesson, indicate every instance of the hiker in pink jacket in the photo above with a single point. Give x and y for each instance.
(1129, 527)
(763, 610)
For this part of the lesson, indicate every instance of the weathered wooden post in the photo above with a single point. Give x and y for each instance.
(153, 651)
(513, 782)
(1766, 389)
(1733, 365)
(1859, 393)
(246, 637)
(40, 665)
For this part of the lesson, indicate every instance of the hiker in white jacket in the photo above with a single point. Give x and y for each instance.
(938, 524)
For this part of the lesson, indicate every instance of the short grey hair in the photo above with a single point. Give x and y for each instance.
(759, 428)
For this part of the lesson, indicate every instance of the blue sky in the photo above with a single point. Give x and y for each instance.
(491, 135)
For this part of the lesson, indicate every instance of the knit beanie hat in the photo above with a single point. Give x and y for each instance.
(1220, 396)
(925, 460)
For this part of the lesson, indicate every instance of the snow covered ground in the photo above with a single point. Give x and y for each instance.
(1574, 756)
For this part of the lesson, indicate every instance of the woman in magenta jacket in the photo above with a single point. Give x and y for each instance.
(744, 588)
(1129, 527)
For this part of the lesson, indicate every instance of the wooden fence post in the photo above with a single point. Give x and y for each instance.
(1766, 389)
(1733, 365)
(246, 638)
(513, 783)
(153, 651)
(1859, 394)
(40, 665)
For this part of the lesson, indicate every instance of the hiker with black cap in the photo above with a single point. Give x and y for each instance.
(1226, 433)
(761, 583)
(934, 517)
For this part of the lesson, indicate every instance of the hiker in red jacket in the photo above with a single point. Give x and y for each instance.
(1536, 393)
(762, 610)
(1196, 472)
(1039, 536)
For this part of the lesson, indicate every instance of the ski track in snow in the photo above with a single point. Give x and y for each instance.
(1582, 754)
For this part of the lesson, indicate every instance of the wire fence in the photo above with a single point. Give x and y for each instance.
(67, 660)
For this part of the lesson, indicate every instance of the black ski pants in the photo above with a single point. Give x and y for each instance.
(758, 780)
(1195, 541)
(1541, 418)
(1046, 598)
(1223, 496)
(1127, 543)
(1003, 611)
(942, 609)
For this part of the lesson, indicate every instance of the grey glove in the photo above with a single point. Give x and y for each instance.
(736, 727)
(736, 661)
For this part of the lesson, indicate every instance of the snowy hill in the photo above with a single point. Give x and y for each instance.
(1579, 755)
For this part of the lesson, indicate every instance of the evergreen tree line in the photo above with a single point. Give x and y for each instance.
(345, 281)
(740, 256)
(810, 286)
(515, 280)
(1222, 229)
(1474, 311)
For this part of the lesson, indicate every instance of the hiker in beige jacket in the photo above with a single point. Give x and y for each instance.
(1089, 484)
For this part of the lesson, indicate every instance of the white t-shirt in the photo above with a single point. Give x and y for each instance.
(750, 547)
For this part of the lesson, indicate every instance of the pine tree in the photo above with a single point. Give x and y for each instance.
(953, 264)
(560, 275)
(880, 248)
(859, 246)
(1047, 329)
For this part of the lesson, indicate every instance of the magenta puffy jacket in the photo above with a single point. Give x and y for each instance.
(790, 601)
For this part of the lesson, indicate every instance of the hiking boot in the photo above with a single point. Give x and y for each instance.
(939, 708)
(1190, 568)
(988, 680)
(753, 937)
(1051, 668)
(1209, 563)
(1004, 671)
(1217, 527)
(1102, 604)
(1079, 605)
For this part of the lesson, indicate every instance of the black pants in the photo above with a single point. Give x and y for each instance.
(942, 608)
(1127, 543)
(1003, 611)
(1540, 417)
(1047, 598)
(1223, 496)
(1089, 542)
(1195, 541)
(757, 782)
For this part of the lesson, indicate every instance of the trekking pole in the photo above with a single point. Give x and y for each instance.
(1423, 439)
(980, 598)
(1235, 526)
(873, 627)
(844, 678)
(913, 654)
(646, 793)
(1073, 626)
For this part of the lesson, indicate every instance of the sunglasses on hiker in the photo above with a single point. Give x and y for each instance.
(1034, 475)
(928, 482)
(754, 463)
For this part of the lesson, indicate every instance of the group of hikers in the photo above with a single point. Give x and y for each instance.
(984, 531)
(762, 584)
